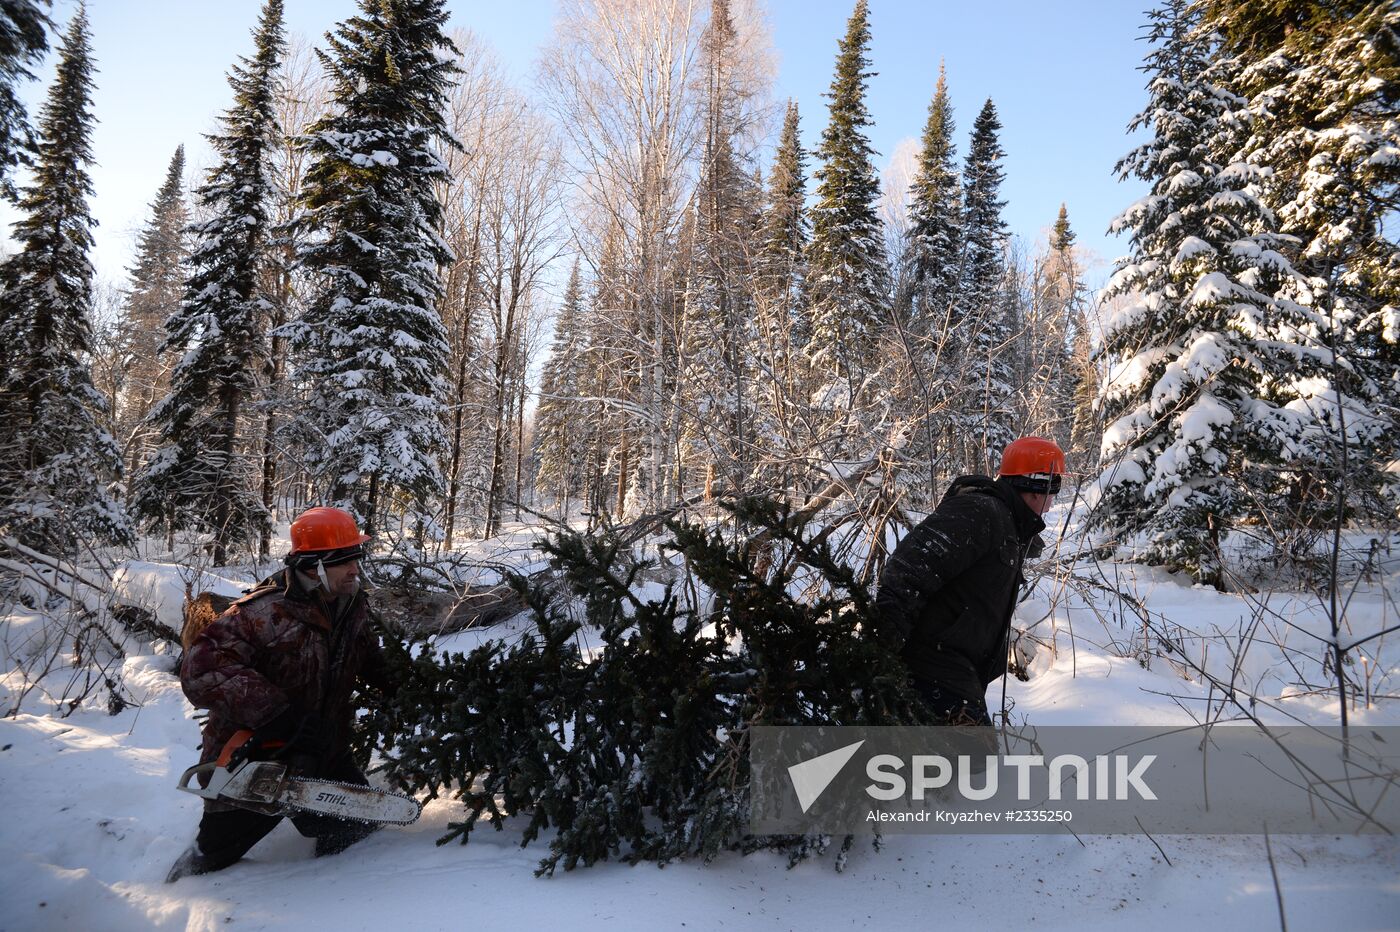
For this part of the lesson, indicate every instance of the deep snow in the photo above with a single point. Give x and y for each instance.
(93, 819)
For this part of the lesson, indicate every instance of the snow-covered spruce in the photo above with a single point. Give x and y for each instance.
(24, 25)
(981, 388)
(1216, 368)
(933, 262)
(57, 462)
(154, 296)
(783, 326)
(848, 274)
(202, 475)
(716, 351)
(562, 437)
(370, 349)
(1321, 101)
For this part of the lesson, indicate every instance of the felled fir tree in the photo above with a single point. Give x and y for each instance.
(641, 752)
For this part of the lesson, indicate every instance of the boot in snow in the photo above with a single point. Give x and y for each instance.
(193, 861)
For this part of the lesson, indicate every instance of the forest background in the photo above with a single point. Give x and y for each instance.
(357, 303)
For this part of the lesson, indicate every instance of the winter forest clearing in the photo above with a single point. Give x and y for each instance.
(639, 416)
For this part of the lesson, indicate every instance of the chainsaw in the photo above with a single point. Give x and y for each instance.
(267, 787)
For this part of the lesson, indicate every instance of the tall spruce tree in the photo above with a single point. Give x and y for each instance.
(24, 38)
(561, 420)
(935, 214)
(607, 376)
(1086, 424)
(981, 389)
(1047, 381)
(932, 260)
(782, 380)
(848, 274)
(984, 230)
(786, 228)
(153, 297)
(1195, 403)
(1322, 81)
(1078, 381)
(1061, 236)
(57, 464)
(718, 311)
(203, 476)
(371, 347)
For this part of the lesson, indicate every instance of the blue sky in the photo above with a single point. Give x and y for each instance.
(1063, 75)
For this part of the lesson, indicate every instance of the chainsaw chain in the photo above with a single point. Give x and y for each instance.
(357, 786)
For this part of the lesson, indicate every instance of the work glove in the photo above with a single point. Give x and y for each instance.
(308, 746)
(298, 740)
(267, 739)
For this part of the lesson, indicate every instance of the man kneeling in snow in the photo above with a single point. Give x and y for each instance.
(283, 662)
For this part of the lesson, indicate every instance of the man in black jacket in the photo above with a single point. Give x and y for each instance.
(948, 591)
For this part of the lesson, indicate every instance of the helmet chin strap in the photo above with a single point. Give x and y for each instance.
(321, 575)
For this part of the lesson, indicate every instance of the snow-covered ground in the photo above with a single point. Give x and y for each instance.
(92, 819)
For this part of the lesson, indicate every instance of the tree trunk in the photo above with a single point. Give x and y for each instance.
(372, 507)
(519, 428)
(493, 492)
(454, 467)
(273, 370)
(622, 479)
(224, 483)
(454, 464)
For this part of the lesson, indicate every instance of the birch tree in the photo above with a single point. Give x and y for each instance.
(619, 77)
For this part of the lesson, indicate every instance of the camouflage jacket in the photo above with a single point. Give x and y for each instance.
(282, 646)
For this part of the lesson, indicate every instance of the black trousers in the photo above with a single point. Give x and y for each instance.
(226, 834)
(948, 708)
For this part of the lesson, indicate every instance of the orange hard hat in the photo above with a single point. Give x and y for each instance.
(1037, 461)
(321, 529)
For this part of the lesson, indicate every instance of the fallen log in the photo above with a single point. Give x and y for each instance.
(420, 613)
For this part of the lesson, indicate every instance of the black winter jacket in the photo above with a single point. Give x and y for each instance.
(948, 590)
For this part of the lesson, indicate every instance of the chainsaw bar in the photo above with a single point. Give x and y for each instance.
(264, 786)
(349, 801)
